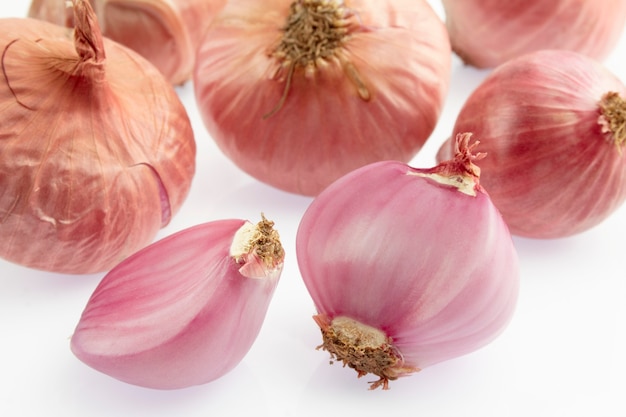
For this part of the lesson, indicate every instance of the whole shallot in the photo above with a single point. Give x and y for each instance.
(553, 123)
(299, 92)
(407, 267)
(97, 152)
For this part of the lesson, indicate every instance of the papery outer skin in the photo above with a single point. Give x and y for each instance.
(85, 164)
(165, 32)
(175, 314)
(324, 129)
(550, 170)
(487, 33)
(433, 268)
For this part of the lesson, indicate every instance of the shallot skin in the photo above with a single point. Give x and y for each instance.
(178, 313)
(553, 169)
(433, 268)
(379, 95)
(97, 151)
(487, 33)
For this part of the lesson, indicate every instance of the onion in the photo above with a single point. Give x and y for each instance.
(554, 126)
(407, 267)
(166, 32)
(487, 33)
(297, 108)
(186, 309)
(98, 152)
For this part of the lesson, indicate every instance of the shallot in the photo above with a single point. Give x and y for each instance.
(165, 32)
(407, 267)
(554, 126)
(184, 310)
(97, 152)
(299, 92)
(487, 33)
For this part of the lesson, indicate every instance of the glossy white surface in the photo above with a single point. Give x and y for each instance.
(562, 355)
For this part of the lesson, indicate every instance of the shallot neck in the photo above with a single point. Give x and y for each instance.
(88, 40)
(459, 172)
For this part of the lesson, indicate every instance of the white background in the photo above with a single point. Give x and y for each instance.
(562, 355)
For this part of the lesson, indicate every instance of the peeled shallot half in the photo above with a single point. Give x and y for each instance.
(487, 33)
(299, 92)
(407, 267)
(97, 152)
(554, 126)
(186, 309)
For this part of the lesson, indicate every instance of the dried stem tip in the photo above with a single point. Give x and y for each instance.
(315, 33)
(266, 242)
(362, 348)
(314, 30)
(613, 117)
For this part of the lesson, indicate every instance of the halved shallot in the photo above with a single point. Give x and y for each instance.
(300, 92)
(407, 267)
(97, 152)
(186, 309)
(554, 126)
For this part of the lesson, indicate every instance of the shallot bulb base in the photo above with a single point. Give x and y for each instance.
(363, 348)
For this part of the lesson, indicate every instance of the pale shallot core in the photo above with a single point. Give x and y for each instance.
(314, 33)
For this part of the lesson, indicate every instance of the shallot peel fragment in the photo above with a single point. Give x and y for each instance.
(165, 32)
(407, 267)
(554, 125)
(97, 152)
(299, 92)
(487, 33)
(186, 309)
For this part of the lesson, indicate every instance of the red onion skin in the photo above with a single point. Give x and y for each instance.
(175, 314)
(433, 268)
(550, 169)
(324, 129)
(96, 165)
(487, 33)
